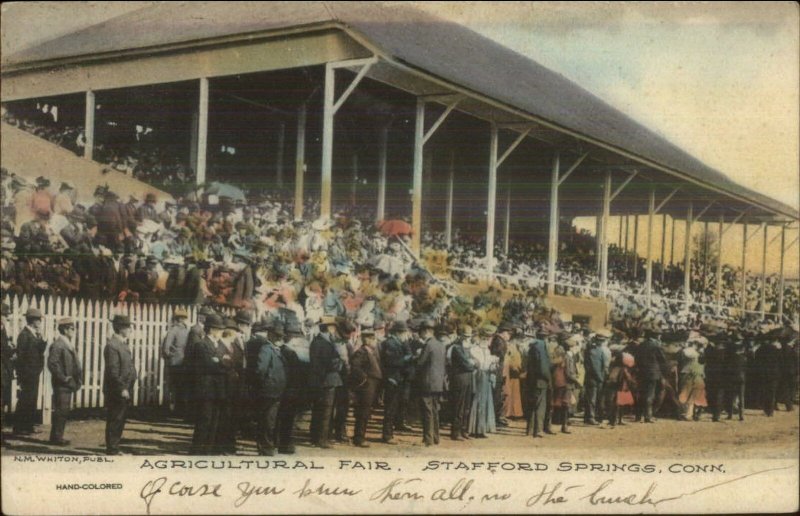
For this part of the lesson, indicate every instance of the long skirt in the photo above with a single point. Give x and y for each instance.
(481, 419)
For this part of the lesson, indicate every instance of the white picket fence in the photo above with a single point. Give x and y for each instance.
(92, 330)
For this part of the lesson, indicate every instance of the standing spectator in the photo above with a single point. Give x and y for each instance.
(596, 371)
(768, 360)
(395, 360)
(482, 417)
(651, 367)
(565, 377)
(30, 363)
(788, 380)
(232, 355)
(270, 381)
(736, 376)
(717, 374)
(539, 378)
(173, 349)
(499, 349)
(691, 386)
(9, 356)
(66, 376)
(430, 381)
(341, 404)
(326, 364)
(209, 385)
(295, 352)
(118, 381)
(365, 378)
(460, 373)
(62, 202)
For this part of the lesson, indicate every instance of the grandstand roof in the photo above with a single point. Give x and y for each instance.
(405, 35)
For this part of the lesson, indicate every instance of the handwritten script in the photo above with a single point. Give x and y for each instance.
(461, 492)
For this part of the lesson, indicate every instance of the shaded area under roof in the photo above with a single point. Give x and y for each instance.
(439, 47)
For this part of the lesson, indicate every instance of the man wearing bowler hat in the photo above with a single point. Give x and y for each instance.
(30, 363)
(365, 378)
(396, 358)
(326, 365)
(66, 376)
(118, 380)
(430, 373)
(209, 385)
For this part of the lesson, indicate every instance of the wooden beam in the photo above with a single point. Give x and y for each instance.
(573, 168)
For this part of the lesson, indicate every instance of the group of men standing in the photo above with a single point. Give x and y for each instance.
(232, 376)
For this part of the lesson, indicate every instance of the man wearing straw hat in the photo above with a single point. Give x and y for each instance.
(30, 363)
(118, 380)
(66, 375)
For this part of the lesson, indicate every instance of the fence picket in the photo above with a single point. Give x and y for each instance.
(92, 330)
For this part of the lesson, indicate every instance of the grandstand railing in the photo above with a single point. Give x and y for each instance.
(92, 330)
(542, 281)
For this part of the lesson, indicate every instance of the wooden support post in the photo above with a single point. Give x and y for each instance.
(743, 301)
(636, 247)
(719, 263)
(507, 222)
(780, 275)
(383, 144)
(88, 125)
(416, 194)
(663, 245)
(764, 272)
(326, 169)
(672, 245)
(448, 221)
(491, 204)
(606, 213)
(552, 250)
(706, 246)
(279, 155)
(651, 208)
(300, 162)
(687, 257)
(202, 132)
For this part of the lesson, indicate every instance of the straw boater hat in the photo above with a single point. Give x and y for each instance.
(66, 321)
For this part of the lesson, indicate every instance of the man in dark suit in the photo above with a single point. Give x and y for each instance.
(539, 379)
(66, 376)
(295, 351)
(30, 363)
(270, 382)
(596, 371)
(9, 357)
(768, 359)
(430, 372)
(365, 378)
(395, 360)
(209, 385)
(651, 365)
(326, 364)
(716, 374)
(232, 355)
(118, 380)
(460, 374)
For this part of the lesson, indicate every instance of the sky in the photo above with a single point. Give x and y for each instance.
(719, 79)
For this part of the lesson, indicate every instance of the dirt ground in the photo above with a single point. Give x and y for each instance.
(758, 437)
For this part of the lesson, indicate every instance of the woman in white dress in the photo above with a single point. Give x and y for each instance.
(482, 417)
